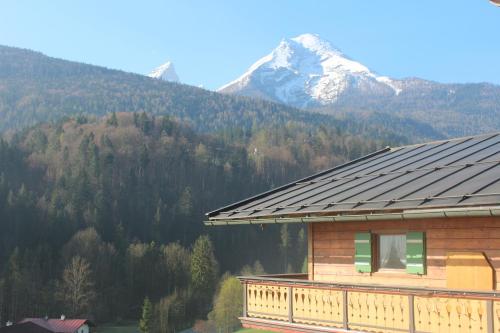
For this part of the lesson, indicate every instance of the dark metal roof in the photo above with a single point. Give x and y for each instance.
(24, 328)
(453, 173)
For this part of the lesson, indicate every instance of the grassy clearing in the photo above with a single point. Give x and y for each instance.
(134, 329)
(117, 329)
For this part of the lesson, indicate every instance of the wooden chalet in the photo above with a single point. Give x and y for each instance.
(405, 239)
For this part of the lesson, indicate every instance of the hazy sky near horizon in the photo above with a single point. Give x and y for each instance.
(213, 42)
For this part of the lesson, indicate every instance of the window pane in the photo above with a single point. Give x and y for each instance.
(392, 251)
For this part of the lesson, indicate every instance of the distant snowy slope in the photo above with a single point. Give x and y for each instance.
(165, 72)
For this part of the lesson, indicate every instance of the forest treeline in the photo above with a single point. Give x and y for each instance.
(122, 199)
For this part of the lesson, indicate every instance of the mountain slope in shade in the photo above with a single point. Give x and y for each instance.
(165, 72)
(307, 71)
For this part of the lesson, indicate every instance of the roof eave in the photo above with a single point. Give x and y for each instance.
(479, 211)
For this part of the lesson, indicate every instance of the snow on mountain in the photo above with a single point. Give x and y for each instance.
(165, 72)
(307, 71)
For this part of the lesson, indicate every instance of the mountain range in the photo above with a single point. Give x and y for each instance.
(36, 88)
(310, 73)
(305, 79)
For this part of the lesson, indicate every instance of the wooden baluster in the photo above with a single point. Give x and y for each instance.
(337, 300)
(489, 314)
(360, 311)
(314, 304)
(367, 305)
(326, 308)
(393, 306)
(430, 309)
(480, 313)
(345, 312)
(402, 308)
(411, 312)
(351, 305)
(279, 299)
(439, 312)
(328, 305)
(378, 310)
(419, 311)
(298, 306)
(245, 301)
(448, 311)
(468, 310)
(384, 305)
(458, 309)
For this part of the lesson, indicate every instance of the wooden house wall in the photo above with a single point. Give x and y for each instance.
(331, 248)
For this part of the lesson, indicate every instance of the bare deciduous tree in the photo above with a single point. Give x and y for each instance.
(76, 289)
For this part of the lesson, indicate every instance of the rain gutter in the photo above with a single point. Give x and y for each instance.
(490, 211)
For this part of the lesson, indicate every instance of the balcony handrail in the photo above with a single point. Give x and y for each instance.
(287, 281)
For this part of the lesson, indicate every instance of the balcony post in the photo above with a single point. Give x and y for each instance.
(345, 318)
(489, 315)
(245, 306)
(290, 304)
(411, 311)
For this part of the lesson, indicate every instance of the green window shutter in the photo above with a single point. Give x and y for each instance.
(363, 252)
(415, 253)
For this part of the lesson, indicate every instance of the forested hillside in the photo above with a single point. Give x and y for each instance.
(123, 197)
(35, 87)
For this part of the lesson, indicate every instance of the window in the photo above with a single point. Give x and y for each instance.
(392, 251)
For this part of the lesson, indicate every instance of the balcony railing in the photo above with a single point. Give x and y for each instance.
(293, 300)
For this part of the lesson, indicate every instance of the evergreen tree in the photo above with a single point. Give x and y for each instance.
(113, 120)
(185, 204)
(203, 271)
(13, 286)
(147, 314)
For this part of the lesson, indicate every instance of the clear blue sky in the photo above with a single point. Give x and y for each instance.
(213, 42)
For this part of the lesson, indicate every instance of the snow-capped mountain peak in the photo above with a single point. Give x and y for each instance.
(165, 72)
(308, 71)
(315, 43)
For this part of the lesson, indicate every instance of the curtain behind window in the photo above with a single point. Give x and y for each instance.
(392, 251)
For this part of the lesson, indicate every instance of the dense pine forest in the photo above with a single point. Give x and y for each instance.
(122, 199)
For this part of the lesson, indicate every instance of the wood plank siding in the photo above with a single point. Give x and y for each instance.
(332, 249)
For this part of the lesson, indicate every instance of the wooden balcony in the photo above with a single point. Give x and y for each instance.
(291, 303)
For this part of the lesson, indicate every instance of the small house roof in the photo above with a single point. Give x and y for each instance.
(58, 325)
(455, 173)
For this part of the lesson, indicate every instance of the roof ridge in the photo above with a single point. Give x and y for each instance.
(492, 134)
(279, 188)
